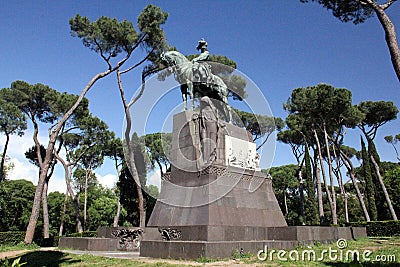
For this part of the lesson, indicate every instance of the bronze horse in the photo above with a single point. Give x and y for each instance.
(196, 80)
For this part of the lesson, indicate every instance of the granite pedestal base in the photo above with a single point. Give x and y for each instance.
(221, 242)
(228, 205)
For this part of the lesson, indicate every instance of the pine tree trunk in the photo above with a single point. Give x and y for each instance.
(319, 194)
(46, 224)
(350, 168)
(30, 230)
(68, 173)
(388, 201)
(3, 158)
(131, 156)
(116, 217)
(311, 204)
(333, 207)
(87, 172)
(390, 36)
(75, 201)
(45, 165)
(60, 232)
(328, 193)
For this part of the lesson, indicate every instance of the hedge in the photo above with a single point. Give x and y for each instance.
(11, 237)
(84, 234)
(380, 228)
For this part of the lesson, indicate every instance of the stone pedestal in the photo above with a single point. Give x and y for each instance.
(211, 209)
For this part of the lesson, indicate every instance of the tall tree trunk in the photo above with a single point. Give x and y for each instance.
(350, 168)
(388, 201)
(30, 230)
(45, 209)
(131, 157)
(116, 217)
(75, 200)
(301, 191)
(87, 173)
(44, 166)
(3, 158)
(68, 174)
(319, 190)
(333, 203)
(340, 183)
(311, 204)
(64, 212)
(390, 34)
(321, 163)
(285, 202)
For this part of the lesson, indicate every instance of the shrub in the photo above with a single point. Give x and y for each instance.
(11, 237)
(380, 228)
(84, 234)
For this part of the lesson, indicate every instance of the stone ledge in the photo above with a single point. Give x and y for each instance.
(198, 249)
(89, 243)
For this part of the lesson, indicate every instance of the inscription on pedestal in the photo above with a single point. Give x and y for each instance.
(240, 153)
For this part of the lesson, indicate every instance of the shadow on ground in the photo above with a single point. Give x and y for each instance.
(43, 258)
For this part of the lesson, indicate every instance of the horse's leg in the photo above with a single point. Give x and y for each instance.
(228, 110)
(190, 89)
(184, 95)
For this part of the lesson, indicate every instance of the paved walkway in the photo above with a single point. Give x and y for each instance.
(111, 254)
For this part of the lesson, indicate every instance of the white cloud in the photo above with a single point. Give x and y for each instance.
(155, 179)
(23, 170)
(108, 180)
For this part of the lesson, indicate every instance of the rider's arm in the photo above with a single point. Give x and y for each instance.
(202, 57)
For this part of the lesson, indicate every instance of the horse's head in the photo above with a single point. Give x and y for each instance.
(166, 59)
(172, 58)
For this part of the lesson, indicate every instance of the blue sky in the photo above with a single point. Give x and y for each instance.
(279, 45)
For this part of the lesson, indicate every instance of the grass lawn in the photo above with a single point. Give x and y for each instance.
(373, 248)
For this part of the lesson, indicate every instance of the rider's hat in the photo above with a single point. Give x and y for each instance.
(202, 44)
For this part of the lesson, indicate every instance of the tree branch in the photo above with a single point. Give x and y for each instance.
(387, 4)
(139, 63)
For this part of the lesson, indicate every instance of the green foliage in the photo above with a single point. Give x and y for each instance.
(158, 147)
(15, 263)
(391, 178)
(84, 234)
(17, 198)
(110, 38)
(37, 101)
(286, 185)
(149, 22)
(258, 125)
(379, 228)
(12, 120)
(323, 104)
(375, 115)
(11, 237)
(106, 36)
(346, 11)
(101, 212)
(55, 203)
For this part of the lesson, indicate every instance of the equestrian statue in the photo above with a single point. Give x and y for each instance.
(196, 78)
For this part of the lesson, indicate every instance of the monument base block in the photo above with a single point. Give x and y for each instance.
(221, 242)
(213, 204)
